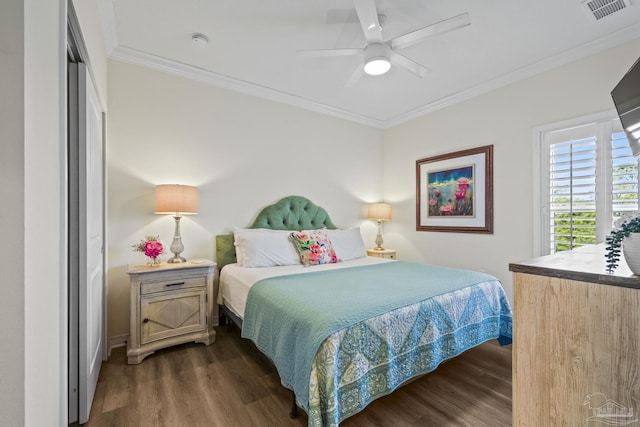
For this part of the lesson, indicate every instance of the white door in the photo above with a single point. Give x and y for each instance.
(91, 294)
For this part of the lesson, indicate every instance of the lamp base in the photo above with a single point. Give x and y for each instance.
(379, 240)
(176, 246)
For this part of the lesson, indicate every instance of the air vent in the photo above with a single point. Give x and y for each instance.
(601, 8)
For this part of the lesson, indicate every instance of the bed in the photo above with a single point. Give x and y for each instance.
(341, 328)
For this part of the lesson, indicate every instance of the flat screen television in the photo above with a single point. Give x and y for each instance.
(626, 97)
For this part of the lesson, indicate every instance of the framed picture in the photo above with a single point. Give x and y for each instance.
(454, 192)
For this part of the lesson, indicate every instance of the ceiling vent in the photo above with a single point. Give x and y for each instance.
(601, 8)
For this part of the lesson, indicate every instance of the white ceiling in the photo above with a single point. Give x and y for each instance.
(253, 43)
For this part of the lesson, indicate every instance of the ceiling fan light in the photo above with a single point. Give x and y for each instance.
(377, 66)
(376, 59)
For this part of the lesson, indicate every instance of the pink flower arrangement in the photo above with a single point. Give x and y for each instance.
(151, 246)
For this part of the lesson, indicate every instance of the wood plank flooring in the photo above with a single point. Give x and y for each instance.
(229, 383)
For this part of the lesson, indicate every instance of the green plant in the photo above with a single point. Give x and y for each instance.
(624, 227)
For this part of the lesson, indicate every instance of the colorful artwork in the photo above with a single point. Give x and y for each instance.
(450, 192)
(454, 191)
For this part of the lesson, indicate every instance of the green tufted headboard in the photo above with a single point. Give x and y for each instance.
(289, 213)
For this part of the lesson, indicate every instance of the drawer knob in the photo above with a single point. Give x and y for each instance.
(145, 320)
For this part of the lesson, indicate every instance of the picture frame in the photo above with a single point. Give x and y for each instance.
(454, 191)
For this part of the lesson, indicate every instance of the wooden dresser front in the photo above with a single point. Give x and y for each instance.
(576, 347)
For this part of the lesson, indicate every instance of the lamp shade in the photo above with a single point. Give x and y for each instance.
(379, 211)
(174, 199)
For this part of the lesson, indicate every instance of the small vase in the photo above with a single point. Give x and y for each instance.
(153, 262)
(631, 252)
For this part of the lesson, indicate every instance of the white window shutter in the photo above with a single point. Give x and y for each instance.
(624, 177)
(588, 179)
(572, 193)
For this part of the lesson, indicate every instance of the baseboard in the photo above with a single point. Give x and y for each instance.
(117, 341)
(121, 340)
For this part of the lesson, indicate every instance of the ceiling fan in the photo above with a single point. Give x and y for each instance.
(380, 54)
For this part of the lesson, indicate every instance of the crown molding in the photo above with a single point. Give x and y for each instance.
(625, 35)
(132, 56)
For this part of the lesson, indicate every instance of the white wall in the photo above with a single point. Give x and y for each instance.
(45, 313)
(12, 253)
(242, 153)
(504, 118)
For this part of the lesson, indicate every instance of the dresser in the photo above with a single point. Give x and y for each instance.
(170, 304)
(576, 346)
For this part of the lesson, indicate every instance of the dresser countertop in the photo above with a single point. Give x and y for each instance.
(586, 264)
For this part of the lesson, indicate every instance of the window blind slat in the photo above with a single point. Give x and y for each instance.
(624, 176)
(572, 193)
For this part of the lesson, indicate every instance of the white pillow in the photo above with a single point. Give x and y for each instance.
(240, 250)
(260, 247)
(348, 244)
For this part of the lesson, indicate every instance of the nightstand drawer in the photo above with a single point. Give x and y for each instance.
(382, 253)
(169, 315)
(172, 285)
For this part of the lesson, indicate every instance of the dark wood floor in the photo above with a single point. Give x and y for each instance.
(230, 384)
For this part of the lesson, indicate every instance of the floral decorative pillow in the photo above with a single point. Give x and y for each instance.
(314, 247)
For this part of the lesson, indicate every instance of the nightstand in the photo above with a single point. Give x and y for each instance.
(382, 253)
(170, 304)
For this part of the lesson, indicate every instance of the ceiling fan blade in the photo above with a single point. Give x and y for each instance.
(368, 16)
(355, 76)
(409, 65)
(329, 52)
(413, 37)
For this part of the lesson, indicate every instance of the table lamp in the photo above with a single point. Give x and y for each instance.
(379, 212)
(176, 200)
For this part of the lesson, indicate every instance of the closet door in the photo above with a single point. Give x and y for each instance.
(91, 295)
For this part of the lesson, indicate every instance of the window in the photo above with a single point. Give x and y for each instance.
(572, 193)
(587, 179)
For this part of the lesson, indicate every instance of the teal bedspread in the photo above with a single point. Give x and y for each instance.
(341, 338)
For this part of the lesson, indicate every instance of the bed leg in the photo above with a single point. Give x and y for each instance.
(294, 408)
(224, 320)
